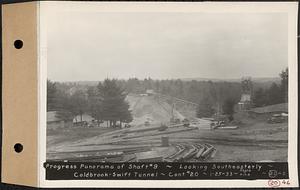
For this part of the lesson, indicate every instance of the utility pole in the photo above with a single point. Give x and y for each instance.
(172, 111)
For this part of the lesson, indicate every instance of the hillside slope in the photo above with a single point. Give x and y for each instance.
(149, 108)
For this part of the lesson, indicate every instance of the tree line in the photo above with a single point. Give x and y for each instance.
(275, 94)
(104, 102)
(222, 99)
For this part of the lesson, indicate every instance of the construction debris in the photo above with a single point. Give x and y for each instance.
(192, 152)
(228, 127)
(149, 137)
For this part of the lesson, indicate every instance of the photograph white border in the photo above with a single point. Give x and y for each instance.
(205, 7)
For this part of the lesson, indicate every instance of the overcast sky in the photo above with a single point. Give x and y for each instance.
(96, 45)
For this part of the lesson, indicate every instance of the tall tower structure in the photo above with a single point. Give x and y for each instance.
(247, 92)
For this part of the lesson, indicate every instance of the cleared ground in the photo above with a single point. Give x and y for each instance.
(253, 140)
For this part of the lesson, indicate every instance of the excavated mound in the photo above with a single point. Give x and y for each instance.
(150, 108)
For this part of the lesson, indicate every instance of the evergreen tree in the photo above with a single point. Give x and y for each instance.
(78, 102)
(228, 108)
(114, 106)
(51, 96)
(284, 85)
(205, 108)
(259, 98)
(95, 104)
(125, 114)
(274, 94)
(64, 108)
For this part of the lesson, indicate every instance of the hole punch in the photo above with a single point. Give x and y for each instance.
(18, 147)
(18, 44)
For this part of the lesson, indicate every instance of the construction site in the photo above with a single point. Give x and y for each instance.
(165, 129)
(166, 86)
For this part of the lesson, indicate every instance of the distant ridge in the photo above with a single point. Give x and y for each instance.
(258, 79)
(255, 80)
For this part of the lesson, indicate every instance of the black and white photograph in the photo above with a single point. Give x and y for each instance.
(167, 87)
(161, 94)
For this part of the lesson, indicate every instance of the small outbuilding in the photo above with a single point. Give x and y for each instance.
(269, 111)
(150, 92)
(54, 122)
(245, 102)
